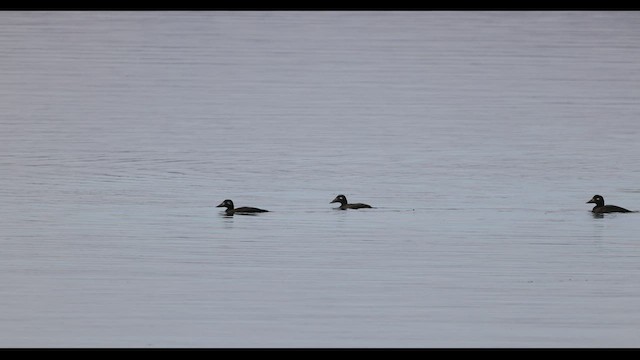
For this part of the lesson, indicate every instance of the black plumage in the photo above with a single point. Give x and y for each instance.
(344, 205)
(602, 208)
(245, 210)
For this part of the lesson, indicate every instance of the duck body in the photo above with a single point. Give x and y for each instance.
(601, 208)
(245, 210)
(344, 205)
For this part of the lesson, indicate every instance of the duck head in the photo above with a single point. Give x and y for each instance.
(340, 199)
(596, 199)
(227, 203)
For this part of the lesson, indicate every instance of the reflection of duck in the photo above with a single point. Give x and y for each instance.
(344, 205)
(602, 208)
(241, 210)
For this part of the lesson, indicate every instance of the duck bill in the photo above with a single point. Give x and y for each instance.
(590, 202)
(221, 204)
(334, 201)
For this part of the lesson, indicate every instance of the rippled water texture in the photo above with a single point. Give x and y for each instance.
(477, 136)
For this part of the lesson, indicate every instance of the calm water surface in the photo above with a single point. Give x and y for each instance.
(478, 137)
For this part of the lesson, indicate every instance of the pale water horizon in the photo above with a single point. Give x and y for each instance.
(478, 138)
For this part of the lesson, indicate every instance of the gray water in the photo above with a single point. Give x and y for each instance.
(477, 136)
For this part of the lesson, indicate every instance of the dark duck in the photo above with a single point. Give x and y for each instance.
(344, 205)
(601, 208)
(245, 210)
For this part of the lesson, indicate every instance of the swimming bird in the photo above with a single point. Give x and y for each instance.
(602, 208)
(344, 205)
(241, 210)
